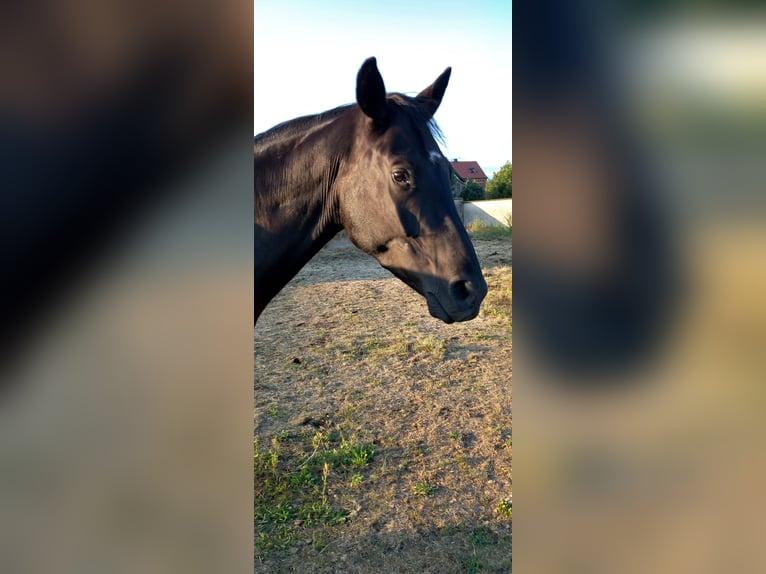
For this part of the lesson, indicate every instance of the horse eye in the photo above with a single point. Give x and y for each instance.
(400, 176)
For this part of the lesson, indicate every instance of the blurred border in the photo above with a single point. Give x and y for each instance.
(126, 222)
(640, 323)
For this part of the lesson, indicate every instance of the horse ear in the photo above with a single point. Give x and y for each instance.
(371, 92)
(433, 94)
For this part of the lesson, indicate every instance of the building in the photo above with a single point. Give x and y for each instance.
(465, 170)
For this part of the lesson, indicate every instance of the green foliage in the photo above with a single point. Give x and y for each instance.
(483, 536)
(480, 230)
(292, 479)
(423, 488)
(472, 191)
(505, 508)
(501, 184)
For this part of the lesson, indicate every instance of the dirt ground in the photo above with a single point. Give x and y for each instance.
(349, 348)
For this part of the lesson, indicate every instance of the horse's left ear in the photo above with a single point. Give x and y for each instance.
(433, 94)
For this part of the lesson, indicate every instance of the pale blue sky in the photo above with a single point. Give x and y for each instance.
(307, 55)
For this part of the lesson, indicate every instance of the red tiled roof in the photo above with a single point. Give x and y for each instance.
(468, 170)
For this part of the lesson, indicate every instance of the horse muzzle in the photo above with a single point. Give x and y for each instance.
(460, 301)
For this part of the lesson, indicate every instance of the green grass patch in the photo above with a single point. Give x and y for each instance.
(472, 565)
(482, 536)
(482, 231)
(375, 348)
(292, 479)
(505, 508)
(372, 348)
(423, 488)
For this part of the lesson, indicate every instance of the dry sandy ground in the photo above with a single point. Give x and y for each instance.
(348, 347)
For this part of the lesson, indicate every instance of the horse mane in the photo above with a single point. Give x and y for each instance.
(300, 126)
(316, 167)
(313, 165)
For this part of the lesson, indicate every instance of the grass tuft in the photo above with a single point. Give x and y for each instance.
(505, 508)
(423, 488)
(433, 346)
(293, 479)
(481, 231)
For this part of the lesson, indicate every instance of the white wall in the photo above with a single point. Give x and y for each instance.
(489, 212)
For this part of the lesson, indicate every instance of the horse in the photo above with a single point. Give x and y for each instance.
(375, 170)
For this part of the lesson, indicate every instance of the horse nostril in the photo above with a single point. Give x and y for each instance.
(460, 290)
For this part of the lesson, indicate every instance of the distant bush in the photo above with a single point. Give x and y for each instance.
(501, 184)
(472, 191)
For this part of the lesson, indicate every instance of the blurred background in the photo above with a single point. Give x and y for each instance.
(126, 322)
(640, 132)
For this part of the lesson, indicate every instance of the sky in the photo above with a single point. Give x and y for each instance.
(307, 54)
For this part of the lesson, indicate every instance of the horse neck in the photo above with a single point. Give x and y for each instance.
(296, 209)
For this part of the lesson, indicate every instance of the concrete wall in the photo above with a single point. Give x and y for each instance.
(489, 212)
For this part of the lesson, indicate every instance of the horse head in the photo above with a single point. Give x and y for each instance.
(396, 202)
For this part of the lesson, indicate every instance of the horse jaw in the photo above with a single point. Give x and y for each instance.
(451, 299)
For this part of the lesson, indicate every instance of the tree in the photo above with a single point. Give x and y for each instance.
(472, 191)
(501, 184)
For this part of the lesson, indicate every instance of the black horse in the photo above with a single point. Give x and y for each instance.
(375, 170)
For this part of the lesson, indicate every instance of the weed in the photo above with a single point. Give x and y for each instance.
(282, 436)
(361, 456)
(505, 508)
(373, 343)
(423, 488)
(397, 347)
(315, 512)
(319, 439)
(482, 536)
(320, 540)
(455, 435)
(356, 480)
(373, 348)
(483, 337)
(431, 345)
(472, 565)
(277, 539)
(272, 461)
(349, 454)
(325, 473)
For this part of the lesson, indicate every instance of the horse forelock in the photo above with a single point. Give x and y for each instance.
(424, 123)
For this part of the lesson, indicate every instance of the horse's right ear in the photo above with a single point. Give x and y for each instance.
(371, 92)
